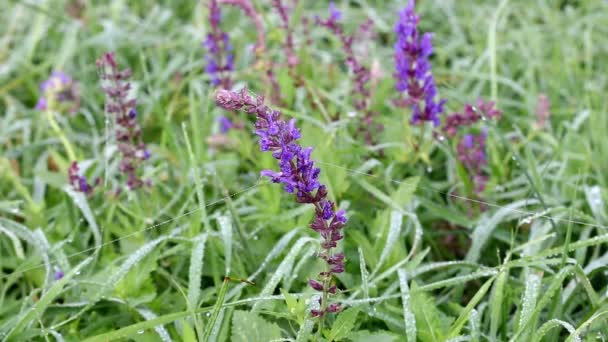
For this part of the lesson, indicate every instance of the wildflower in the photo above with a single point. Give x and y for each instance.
(225, 124)
(413, 69)
(470, 115)
(128, 130)
(58, 274)
(58, 91)
(79, 182)
(472, 155)
(361, 91)
(299, 176)
(543, 111)
(292, 59)
(220, 60)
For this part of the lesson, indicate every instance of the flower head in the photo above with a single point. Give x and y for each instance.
(470, 115)
(299, 176)
(115, 83)
(79, 182)
(361, 93)
(59, 90)
(219, 57)
(413, 69)
(472, 155)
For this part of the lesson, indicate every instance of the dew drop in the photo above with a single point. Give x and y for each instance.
(140, 332)
(208, 314)
(255, 237)
(429, 169)
(77, 272)
(441, 138)
(513, 158)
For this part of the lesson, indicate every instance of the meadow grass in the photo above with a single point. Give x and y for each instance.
(212, 252)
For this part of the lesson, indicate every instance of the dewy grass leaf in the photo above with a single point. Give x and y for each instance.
(283, 270)
(225, 223)
(81, 202)
(466, 312)
(532, 290)
(408, 316)
(217, 309)
(195, 270)
(38, 309)
(394, 230)
(160, 330)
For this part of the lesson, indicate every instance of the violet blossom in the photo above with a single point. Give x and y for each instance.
(220, 60)
(58, 275)
(471, 114)
(299, 176)
(128, 131)
(413, 69)
(471, 153)
(79, 182)
(361, 90)
(59, 90)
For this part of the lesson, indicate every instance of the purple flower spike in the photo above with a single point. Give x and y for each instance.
(298, 174)
(361, 92)
(115, 83)
(472, 155)
(220, 60)
(413, 69)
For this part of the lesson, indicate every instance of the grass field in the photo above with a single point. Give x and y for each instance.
(185, 240)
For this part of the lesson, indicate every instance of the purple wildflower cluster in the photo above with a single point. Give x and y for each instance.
(413, 69)
(220, 60)
(299, 176)
(361, 90)
(58, 89)
(128, 131)
(471, 147)
(470, 115)
(472, 154)
(79, 182)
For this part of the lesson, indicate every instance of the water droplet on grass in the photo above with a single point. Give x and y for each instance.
(140, 332)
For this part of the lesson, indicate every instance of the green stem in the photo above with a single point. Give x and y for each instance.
(61, 135)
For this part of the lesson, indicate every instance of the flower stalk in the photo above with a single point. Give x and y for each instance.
(300, 177)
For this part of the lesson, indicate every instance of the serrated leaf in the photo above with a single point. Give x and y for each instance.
(344, 324)
(429, 324)
(249, 327)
